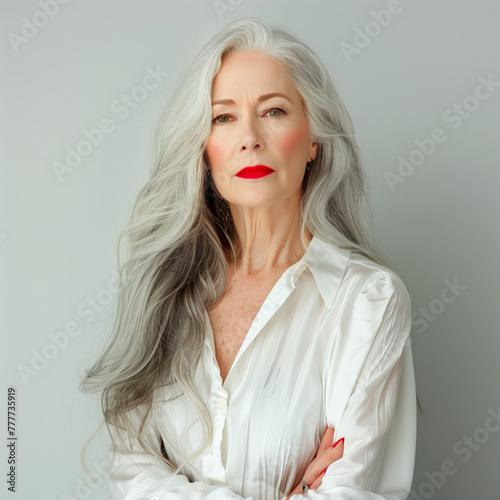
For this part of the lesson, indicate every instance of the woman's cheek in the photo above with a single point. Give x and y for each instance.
(293, 141)
(215, 150)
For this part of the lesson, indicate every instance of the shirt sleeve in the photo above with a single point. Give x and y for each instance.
(136, 475)
(378, 422)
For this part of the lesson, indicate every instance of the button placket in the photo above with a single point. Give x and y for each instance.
(222, 408)
(218, 410)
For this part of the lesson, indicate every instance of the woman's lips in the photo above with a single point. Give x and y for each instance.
(254, 172)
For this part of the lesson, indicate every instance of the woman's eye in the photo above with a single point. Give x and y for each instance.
(276, 112)
(221, 119)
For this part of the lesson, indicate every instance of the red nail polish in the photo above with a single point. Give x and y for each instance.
(325, 431)
(323, 472)
(337, 442)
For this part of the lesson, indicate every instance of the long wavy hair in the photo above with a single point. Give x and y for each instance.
(180, 230)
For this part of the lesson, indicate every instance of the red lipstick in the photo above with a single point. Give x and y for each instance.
(254, 172)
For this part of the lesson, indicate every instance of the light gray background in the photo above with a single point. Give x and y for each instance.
(57, 239)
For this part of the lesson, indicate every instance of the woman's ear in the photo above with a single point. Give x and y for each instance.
(205, 160)
(313, 151)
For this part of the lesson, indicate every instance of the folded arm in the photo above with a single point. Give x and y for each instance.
(136, 475)
(378, 423)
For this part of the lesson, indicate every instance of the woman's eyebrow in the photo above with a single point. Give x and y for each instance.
(262, 98)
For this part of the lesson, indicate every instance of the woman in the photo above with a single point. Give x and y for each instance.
(260, 350)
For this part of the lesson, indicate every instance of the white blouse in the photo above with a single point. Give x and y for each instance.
(329, 346)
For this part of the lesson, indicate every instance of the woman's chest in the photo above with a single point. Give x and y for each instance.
(269, 416)
(233, 316)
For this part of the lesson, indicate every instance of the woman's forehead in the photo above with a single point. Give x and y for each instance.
(252, 72)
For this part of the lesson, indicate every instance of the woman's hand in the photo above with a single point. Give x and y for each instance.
(325, 456)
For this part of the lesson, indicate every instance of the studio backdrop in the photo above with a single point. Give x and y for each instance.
(83, 85)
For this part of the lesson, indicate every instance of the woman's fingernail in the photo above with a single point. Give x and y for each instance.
(337, 442)
(323, 472)
(325, 430)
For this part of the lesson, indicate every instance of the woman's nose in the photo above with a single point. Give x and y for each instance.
(251, 134)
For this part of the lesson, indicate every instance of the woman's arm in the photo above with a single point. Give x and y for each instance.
(379, 419)
(136, 475)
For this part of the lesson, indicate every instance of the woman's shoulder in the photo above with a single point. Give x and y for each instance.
(350, 262)
(362, 266)
(376, 314)
(375, 281)
(348, 275)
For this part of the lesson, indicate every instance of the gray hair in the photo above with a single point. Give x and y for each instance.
(174, 265)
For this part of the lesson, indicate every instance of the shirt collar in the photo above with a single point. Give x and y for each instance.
(327, 263)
